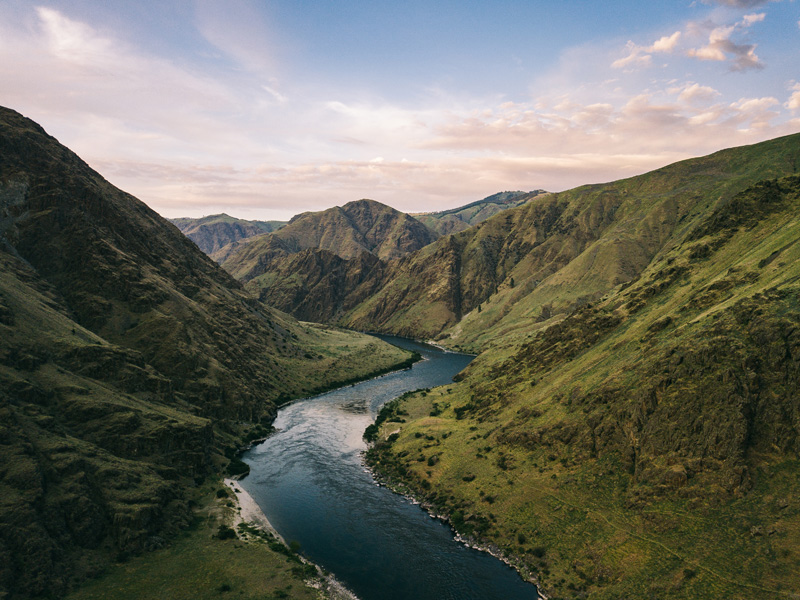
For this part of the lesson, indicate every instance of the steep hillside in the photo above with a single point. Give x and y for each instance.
(308, 267)
(458, 219)
(530, 266)
(648, 443)
(213, 233)
(318, 285)
(129, 364)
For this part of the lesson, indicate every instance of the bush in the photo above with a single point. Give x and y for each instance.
(238, 467)
(222, 493)
(539, 551)
(225, 533)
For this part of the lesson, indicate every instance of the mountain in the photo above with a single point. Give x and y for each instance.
(131, 367)
(214, 233)
(347, 231)
(528, 267)
(459, 219)
(309, 267)
(631, 428)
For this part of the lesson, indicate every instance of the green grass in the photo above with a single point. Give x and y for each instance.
(199, 566)
(642, 447)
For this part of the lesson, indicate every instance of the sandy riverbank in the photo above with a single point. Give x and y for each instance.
(248, 511)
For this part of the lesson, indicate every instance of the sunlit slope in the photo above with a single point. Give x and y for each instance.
(347, 231)
(647, 445)
(529, 266)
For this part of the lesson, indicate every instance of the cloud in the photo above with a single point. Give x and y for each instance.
(233, 132)
(793, 104)
(642, 55)
(738, 3)
(721, 47)
(694, 93)
(72, 41)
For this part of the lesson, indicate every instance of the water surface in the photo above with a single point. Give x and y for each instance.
(310, 481)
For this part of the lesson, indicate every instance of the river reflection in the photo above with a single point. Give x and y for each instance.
(310, 482)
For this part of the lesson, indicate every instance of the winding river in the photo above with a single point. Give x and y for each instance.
(310, 481)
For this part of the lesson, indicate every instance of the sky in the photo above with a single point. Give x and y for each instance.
(267, 108)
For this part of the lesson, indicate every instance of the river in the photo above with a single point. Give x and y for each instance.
(310, 481)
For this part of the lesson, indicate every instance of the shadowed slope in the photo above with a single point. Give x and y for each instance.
(216, 234)
(130, 364)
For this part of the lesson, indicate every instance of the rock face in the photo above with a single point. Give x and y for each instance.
(218, 235)
(307, 267)
(129, 362)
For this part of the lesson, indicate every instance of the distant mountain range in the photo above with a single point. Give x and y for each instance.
(218, 235)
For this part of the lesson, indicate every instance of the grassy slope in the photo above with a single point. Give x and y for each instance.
(646, 445)
(530, 266)
(130, 366)
(199, 566)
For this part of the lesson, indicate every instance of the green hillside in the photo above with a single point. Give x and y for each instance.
(530, 266)
(645, 442)
(131, 368)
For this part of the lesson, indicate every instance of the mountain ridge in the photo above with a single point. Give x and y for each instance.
(131, 368)
(458, 219)
(534, 263)
(642, 441)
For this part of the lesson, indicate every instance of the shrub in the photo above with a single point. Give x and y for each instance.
(225, 533)
(539, 551)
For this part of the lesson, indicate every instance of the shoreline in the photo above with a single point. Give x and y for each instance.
(248, 511)
(398, 487)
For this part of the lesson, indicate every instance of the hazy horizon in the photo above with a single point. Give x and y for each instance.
(263, 110)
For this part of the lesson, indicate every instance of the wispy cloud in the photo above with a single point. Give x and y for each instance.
(738, 3)
(241, 132)
(643, 55)
(793, 104)
(721, 47)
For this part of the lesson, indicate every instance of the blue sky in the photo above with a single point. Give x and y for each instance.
(264, 109)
